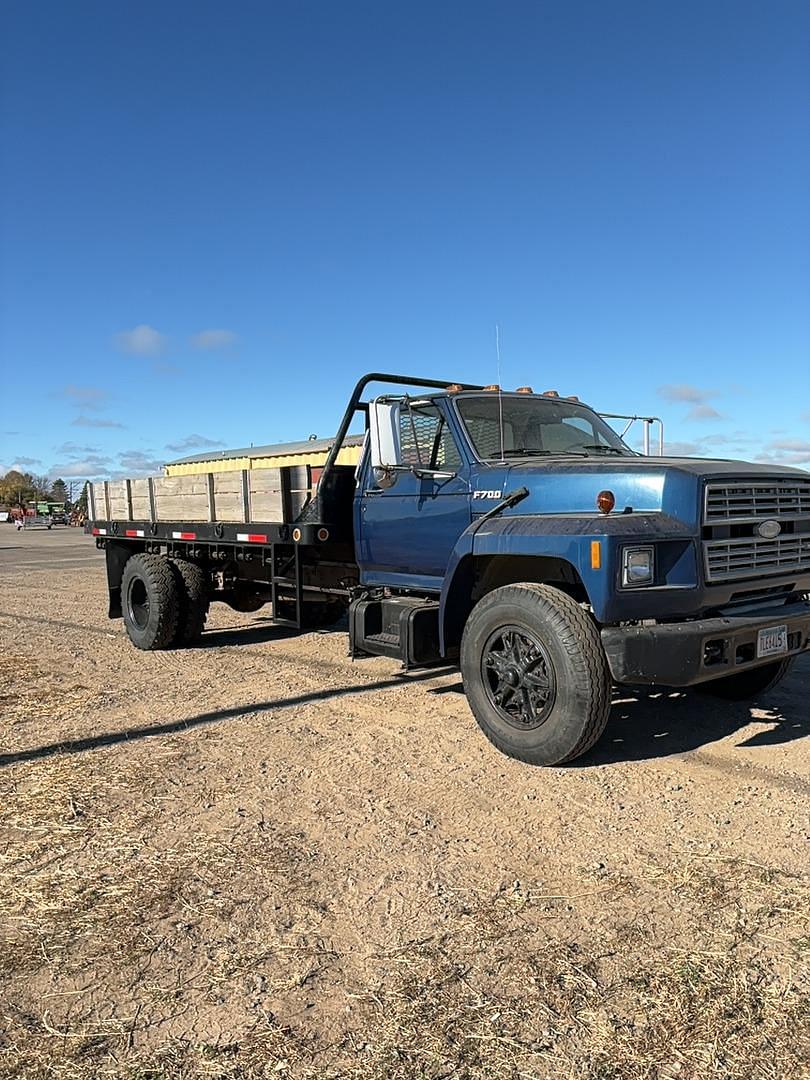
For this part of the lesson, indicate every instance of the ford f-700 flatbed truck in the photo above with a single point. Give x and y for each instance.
(513, 533)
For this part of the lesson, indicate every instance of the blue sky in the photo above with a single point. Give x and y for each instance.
(215, 217)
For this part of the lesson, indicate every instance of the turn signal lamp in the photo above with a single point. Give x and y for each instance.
(605, 501)
(524, 390)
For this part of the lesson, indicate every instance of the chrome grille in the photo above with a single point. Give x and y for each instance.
(756, 500)
(728, 560)
(732, 511)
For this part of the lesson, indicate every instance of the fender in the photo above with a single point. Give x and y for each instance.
(569, 539)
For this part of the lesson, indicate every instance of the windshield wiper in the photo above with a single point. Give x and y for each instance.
(605, 449)
(521, 451)
(525, 451)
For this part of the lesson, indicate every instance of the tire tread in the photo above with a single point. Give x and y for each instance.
(579, 637)
(160, 574)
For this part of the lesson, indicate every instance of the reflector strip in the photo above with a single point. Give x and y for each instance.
(596, 555)
(184, 536)
(99, 532)
(252, 538)
(133, 532)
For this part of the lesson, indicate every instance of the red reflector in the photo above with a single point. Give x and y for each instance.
(96, 532)
(131, 532)
(188, 536)
(256, 538)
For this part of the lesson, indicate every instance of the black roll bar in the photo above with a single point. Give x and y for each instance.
(355, 404)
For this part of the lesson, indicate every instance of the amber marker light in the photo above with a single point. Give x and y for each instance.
(551, 393)
(454, 388)
(596, 555)
(605, 501)
(524, 390)
(492, 386)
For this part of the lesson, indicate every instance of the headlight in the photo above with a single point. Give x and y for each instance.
(638, 566)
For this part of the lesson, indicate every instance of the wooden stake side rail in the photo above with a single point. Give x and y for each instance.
(239, 496)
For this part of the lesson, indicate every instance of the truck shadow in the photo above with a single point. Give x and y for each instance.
(654, 725)
(172, 727)
(646, 725)
(258, 631)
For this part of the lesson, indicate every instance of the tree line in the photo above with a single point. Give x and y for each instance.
(18, 488)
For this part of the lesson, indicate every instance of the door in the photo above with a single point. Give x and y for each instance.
(407, 531)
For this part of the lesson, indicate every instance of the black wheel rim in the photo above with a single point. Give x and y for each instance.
(138, 603)
(518, 677)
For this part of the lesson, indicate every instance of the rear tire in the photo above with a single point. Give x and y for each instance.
(747, 684)
(150, 601)
(535, 674)
(193, 592)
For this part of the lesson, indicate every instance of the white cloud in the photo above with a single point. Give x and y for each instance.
(85, 397)
(71, 449)
(703, 412)
(801, 446)
(141, 340)
(682, 449)
(139, 461)
(214, 340)
(95, 422)
(692, 395)
(90, 468)
(194, 442)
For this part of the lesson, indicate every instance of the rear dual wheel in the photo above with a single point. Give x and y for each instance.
(164, 601)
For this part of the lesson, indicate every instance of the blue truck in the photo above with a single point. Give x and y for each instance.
(513, 534)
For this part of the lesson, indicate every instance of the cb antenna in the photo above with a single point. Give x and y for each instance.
(500, 394)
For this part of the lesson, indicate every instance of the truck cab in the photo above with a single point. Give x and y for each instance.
(690, 572)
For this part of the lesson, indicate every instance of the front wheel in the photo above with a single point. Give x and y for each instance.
(747, 684)
(535, 674)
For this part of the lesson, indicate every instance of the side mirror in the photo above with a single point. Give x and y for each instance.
(383, 431)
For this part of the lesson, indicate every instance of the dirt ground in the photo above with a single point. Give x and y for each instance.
(257, 858)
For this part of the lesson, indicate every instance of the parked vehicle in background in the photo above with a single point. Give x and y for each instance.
(512, 533)
(57, 513)
(35, 515)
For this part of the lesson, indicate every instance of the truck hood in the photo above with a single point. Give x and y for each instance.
(568, 485)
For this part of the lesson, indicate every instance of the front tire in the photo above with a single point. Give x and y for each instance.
(150, 602)
(535, 674)
(747, 684)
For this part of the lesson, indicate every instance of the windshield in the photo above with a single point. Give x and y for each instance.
(534, 425)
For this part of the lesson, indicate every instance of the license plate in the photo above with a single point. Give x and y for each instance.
(772, 640)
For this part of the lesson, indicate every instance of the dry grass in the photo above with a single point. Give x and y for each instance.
(135, 945)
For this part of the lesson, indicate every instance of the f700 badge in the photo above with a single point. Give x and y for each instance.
(487, 494)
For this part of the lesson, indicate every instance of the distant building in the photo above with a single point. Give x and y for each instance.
(309, 452)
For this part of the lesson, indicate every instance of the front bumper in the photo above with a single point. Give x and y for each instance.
(685, 653)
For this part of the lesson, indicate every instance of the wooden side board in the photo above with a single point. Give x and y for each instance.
(239, 495)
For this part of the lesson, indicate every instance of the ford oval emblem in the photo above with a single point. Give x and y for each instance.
(769, 530)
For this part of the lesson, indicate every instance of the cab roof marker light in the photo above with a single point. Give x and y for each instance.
(524, 390)
(551, 393)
